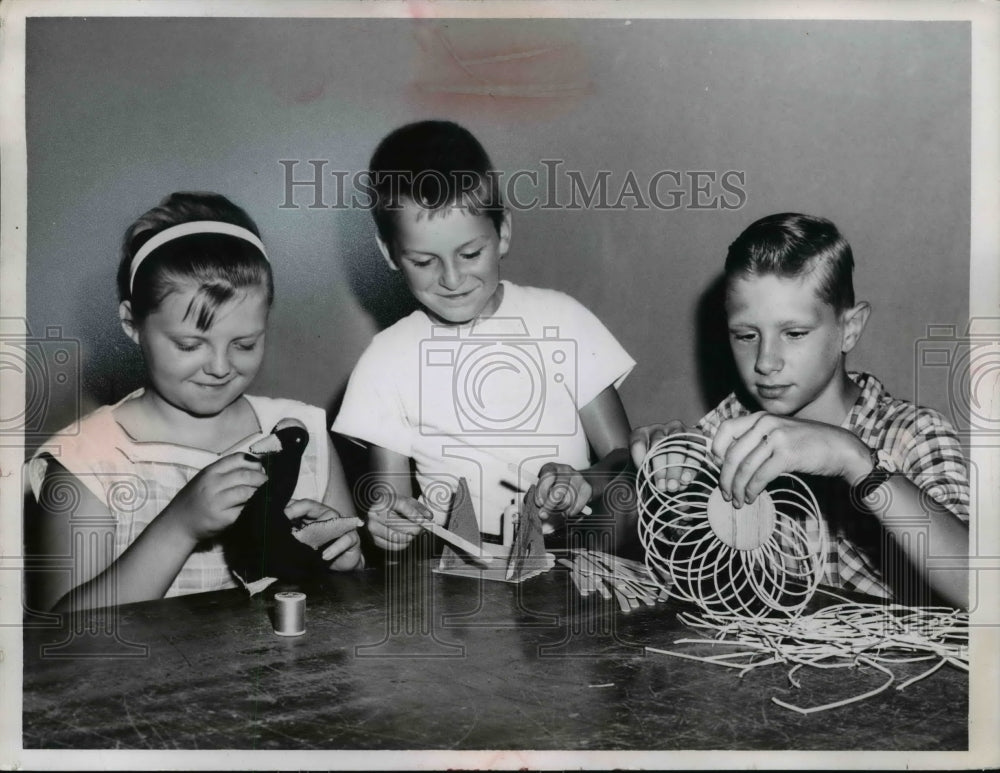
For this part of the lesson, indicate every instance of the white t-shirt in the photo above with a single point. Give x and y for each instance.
(491, 401)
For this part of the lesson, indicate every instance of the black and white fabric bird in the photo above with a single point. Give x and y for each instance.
(263, 542)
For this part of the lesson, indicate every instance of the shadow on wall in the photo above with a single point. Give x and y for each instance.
(381, 291)
(717, 375)
(383, 295)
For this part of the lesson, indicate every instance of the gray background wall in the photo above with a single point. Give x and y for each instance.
(866, 123)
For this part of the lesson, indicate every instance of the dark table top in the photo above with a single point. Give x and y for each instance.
(404, 658)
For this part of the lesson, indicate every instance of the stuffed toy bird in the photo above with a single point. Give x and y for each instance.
(263, 542)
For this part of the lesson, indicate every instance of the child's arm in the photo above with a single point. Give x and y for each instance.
(394, 514)
(564, 489)
(756, 449)
(209, 503)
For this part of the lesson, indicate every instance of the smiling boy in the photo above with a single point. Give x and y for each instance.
(489, 381)
(891, 468)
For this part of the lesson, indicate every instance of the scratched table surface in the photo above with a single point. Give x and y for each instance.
(405, 658)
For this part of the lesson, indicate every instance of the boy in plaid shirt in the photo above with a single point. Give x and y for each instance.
(884, 467)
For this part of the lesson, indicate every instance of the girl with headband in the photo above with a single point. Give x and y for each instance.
(164, 470)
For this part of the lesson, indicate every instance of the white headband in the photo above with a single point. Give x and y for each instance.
(187, 229)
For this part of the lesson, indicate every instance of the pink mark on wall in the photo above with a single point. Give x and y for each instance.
(506, 70)
(309, 94)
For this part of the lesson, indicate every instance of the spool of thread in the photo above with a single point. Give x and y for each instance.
(289, 613)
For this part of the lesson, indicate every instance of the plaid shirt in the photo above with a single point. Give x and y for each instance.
(923, 446)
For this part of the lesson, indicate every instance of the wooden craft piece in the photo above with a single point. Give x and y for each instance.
(469, 551)
(462, 521)
(529, 544)
(525, 542)
(630, 582)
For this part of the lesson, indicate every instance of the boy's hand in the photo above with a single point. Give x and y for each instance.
(561, 489)
(393, 526)
(758, 448)
(213, 499)
(671, 472)
(320, 526)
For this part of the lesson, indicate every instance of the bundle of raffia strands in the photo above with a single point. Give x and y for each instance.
(628, 582)
(847, 635)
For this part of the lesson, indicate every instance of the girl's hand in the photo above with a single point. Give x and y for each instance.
(319, 526)
(213, 499)
(561, 489)
(394, 524)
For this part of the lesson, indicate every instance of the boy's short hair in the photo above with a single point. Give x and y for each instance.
(793, 245)
(435, 164)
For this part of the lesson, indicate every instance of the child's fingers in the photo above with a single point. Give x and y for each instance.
(560, 495)
(747, 468)
(392, 540)
(690, 470)
(767, 472)
(388, 524)
(341, 545)
(323, 532)
(241, 476)
(308, 508)
(742, 446)
(349, 560)
(673, 475)
(667, 469)
(235, 497)
(639, 445)
(234, 462)
(546, 480)
(236, 493)
(583, 495)
(644, 438)
(412, 511)
(383, 536)
(658, 467)
(732, 430)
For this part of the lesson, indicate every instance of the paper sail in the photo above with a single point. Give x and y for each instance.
(522, 556)
(463, 522)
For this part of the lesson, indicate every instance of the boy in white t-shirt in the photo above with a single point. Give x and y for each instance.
(500, 384)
